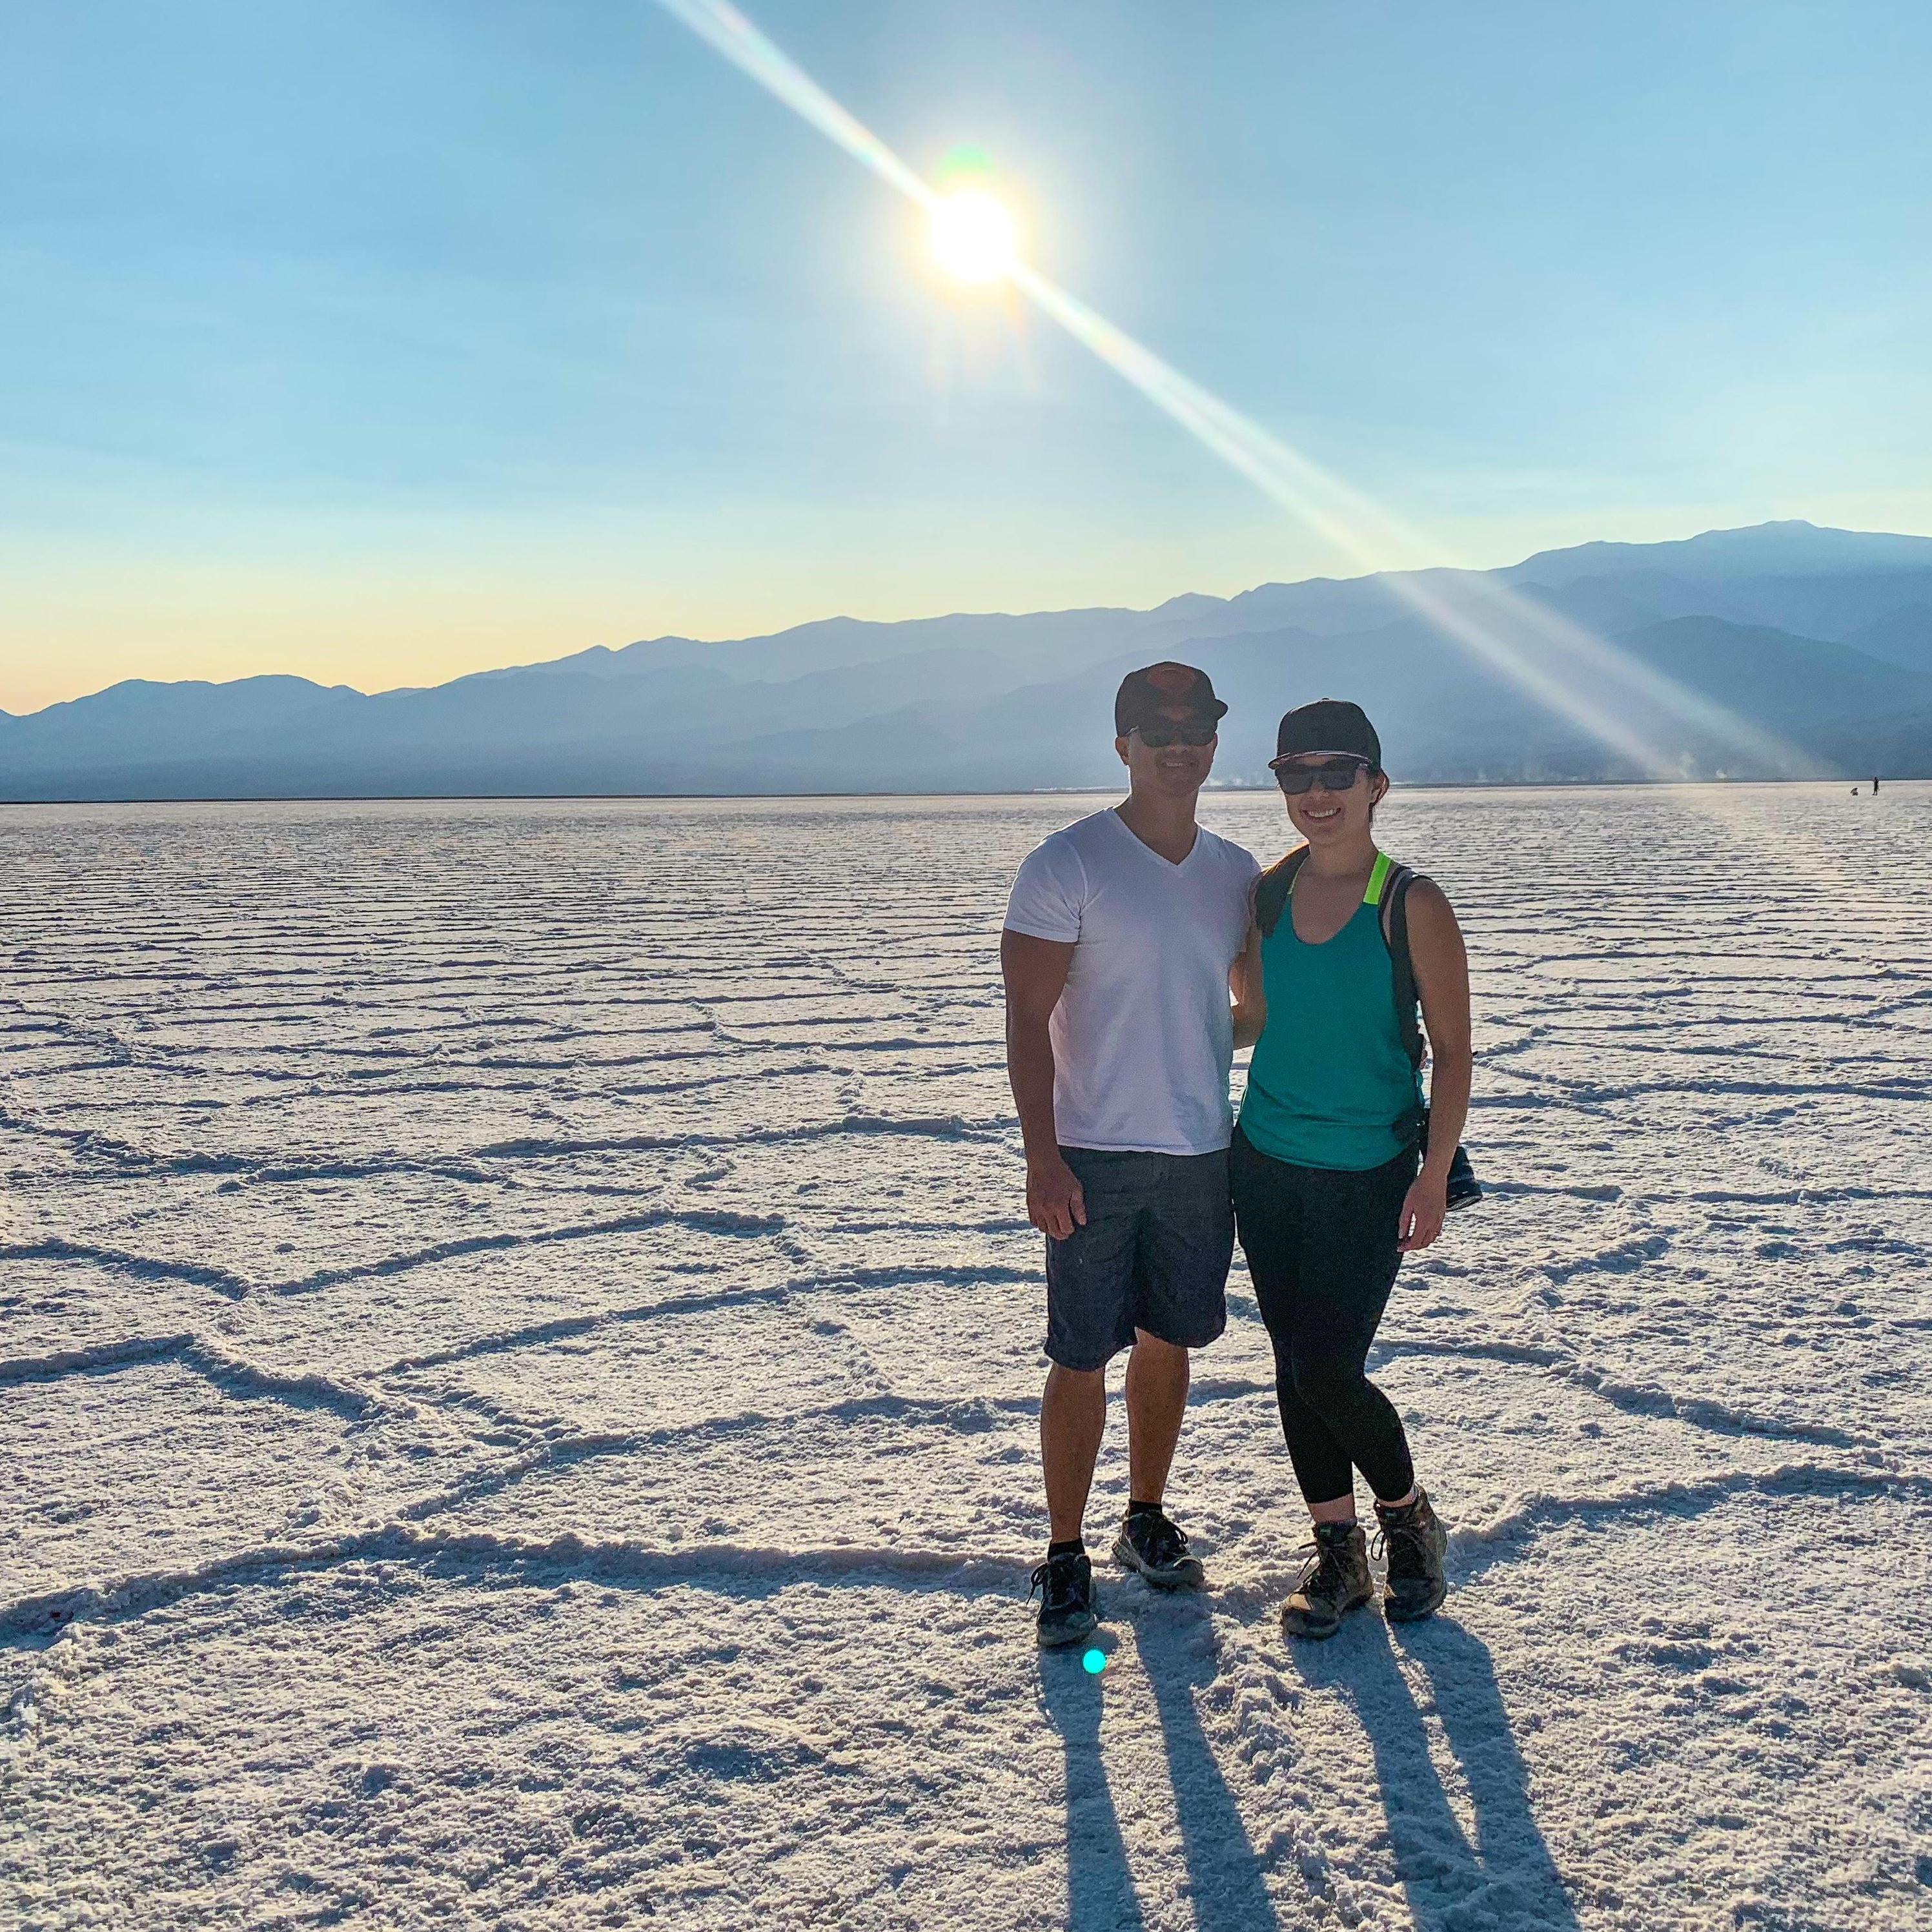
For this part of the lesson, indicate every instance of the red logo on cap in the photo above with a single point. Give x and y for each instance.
(1175, 680)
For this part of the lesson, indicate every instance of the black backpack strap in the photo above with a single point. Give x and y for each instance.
(1463, 1186)
(1272, 888)
(1395, 931)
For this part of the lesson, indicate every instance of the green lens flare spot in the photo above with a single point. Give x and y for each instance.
(1095, 1661)
(965, 164)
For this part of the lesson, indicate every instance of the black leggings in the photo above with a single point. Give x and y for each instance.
(1321, 1245)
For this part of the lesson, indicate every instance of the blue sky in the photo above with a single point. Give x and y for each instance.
(383, 340)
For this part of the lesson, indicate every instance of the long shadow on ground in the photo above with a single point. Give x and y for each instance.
(1100, 1895)
(1226, 1882)
(1506, 1878)
(1226, 1888)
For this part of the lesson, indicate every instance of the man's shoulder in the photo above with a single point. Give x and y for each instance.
(1052, 888)
(1237, 858)
(1097, 827)
(1080, 840)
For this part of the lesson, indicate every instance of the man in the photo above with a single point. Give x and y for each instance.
(1121, 935)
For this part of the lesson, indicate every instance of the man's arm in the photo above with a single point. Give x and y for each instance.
(1035, 970)
(1442, 979)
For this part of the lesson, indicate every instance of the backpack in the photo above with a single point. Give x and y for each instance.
(1388, 892)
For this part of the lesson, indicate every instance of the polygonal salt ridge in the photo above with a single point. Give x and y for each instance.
(730, 1354)
(169, 1448)
(539, 1232)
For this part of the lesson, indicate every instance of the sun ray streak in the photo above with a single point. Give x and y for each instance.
(1565, 668)
(1307, 492)
(1345, 518)
(727, 30)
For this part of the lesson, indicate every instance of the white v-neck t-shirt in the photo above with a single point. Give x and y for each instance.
(1143, 1036)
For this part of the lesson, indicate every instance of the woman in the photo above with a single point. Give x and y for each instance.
(1328, 1197)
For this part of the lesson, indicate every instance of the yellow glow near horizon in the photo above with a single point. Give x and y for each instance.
(973, 236)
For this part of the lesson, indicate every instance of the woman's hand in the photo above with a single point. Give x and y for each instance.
(1422, 1208)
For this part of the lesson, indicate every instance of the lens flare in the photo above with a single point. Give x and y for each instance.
(725, 29)
(1094, 1662)
(973, 236)
(965, 165)
(1568, 670)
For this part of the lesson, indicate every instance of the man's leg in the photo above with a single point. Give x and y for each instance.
(1089, 1320)
(1072, 1419)
(1187, 1241)
(1156, 1401)
(1187, 1237)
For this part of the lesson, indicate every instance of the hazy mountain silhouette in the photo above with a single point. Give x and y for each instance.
(1902, 637)
(1819, 639)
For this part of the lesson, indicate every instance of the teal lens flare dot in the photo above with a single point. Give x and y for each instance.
(1095, 1661)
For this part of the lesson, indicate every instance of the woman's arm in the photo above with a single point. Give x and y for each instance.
(1244, 979)
(1441, 965)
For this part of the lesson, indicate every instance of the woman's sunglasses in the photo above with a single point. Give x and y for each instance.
(1337, 775)
(1158, 737)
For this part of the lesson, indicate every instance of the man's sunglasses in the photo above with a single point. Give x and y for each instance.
(1337, 775)
(1158, 737)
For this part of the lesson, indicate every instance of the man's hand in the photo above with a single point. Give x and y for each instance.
(1422, 1208)
(1055, 1202)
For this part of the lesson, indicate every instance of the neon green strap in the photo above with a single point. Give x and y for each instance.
(1378, 878)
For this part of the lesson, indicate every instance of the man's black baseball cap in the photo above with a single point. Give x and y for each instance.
(1146, 696)
(1327, 724)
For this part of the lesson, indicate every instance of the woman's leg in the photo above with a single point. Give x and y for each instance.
(1267, 1213)
(1347, 1266)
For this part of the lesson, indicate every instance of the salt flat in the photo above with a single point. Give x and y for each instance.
(519, 1367)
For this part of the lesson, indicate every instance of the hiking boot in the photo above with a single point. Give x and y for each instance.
(1065, 1587)
(1334, 1581)
(1149, 1543)
(1416, 1543)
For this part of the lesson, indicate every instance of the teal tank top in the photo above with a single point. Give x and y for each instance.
(1330, 1083)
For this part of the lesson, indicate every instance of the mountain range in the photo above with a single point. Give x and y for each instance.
(1781, 650)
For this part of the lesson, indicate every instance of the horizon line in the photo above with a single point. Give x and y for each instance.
(780, 797)
(846, 616)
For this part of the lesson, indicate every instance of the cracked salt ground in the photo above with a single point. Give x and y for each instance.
(518, 1344)
(92, 1450)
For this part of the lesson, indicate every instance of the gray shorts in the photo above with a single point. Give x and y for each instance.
(1153, 1254)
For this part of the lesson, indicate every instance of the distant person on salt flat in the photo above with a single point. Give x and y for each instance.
(1324, 1163)
(1120, 938)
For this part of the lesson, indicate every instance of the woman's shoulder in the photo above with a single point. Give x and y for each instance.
(1426, 908)
(1422, 890)
(1286, 866)
(1267, 891)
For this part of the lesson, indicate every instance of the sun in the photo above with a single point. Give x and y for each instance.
(973, 236)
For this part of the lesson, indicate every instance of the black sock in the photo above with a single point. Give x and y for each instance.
(1137, 1508)
(1075, 1548)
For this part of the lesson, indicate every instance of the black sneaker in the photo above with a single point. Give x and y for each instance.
(1067, 1611)
(1334, 1580)
(1416, 1543)
(1150, 1544)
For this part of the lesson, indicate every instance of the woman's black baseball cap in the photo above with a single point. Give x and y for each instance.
(1147, 696)
(1328, 724)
